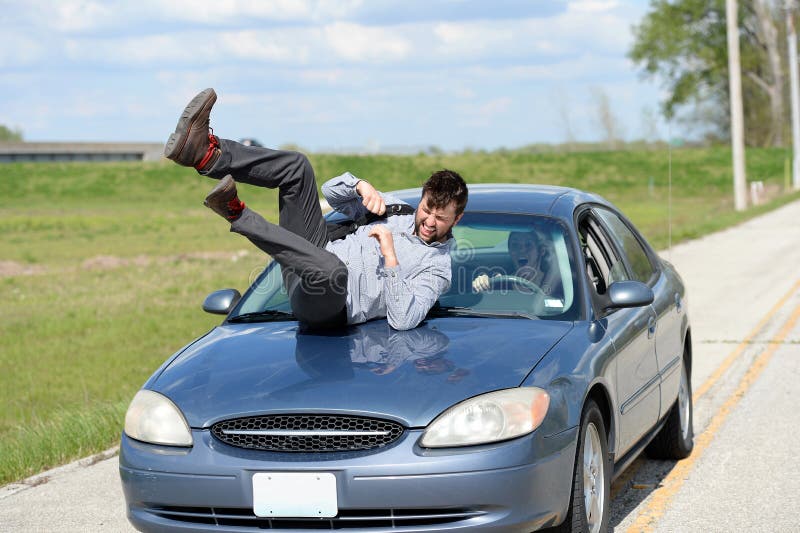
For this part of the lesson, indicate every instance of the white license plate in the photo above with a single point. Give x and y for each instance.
(295, 495)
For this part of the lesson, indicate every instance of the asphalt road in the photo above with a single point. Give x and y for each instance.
(744, 303)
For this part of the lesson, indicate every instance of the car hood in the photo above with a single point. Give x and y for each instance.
(370, 369)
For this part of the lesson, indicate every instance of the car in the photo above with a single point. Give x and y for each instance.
(250, 142)
(510, 408)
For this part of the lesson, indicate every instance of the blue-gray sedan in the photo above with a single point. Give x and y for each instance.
(560, 352)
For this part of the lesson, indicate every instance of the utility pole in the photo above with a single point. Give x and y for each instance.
(737, 110)
(791, 35)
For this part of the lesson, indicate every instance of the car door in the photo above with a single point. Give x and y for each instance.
(667, 303)
(669, 307)
(632, 332)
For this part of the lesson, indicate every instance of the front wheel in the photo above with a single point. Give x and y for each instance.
(676, 438)
(591, 478)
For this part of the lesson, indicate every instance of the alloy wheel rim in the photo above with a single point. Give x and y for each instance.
(683, 403)
(593, 478)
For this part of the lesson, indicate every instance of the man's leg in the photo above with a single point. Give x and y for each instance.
(315, 279)
(193, 144)
(289, 172)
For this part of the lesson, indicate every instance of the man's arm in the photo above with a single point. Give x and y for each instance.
(407, 300)
(355, 197)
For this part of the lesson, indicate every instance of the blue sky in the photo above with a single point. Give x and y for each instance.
(325, 74)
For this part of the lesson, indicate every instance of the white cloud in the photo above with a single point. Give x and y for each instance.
(579, 31)
(93, 16)
(179, 86)
(77, 15)
(586, 68)
(327, 10)
(345, 42)
(592, 6)
(463, 93)
(185, 48)
(582, 27)
(324, 76)
(262, 46)
(484, 114)
(494, 107)
(91, 107)
(358, 43)
(65, 16)
(465, 39)
(25, 49)
(232, 10)
(124, 51)
(314, 68)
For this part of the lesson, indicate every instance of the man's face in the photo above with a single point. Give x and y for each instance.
(433, 225)
(522, 248)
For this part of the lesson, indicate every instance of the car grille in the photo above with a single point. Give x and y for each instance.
(307, 433)
(346, 519)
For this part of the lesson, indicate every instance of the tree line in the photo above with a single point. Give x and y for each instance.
(9, 135)
(683, 43)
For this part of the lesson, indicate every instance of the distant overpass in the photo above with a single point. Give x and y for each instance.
(79, 151)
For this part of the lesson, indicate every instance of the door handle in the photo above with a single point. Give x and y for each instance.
(651, 327)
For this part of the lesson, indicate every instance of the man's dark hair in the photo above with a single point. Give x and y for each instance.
(443, 187)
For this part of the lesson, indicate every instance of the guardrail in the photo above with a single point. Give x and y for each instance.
(73, 151)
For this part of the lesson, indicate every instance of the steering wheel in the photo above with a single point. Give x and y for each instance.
(517, 282)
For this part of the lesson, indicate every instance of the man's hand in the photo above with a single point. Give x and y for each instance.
(371, 198)
(481, 283)
(386, 242)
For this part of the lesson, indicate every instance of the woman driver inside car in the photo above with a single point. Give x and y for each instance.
(533, 260)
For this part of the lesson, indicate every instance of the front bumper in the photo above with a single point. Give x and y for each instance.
(518, 485)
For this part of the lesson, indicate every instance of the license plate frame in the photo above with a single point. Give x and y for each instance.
(295, 495)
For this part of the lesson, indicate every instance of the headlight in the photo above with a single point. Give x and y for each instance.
(153, 418)
(491, 417)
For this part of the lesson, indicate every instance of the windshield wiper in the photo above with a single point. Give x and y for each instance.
(468, 311)
(267, 315)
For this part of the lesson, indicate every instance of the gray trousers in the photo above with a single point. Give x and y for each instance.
(315, 279)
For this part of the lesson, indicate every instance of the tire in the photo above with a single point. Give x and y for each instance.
(676, 438)
(591, 477)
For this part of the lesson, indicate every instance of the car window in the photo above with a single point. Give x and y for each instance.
(604, 265)
(528, 260)
(266, 293)
(641, 267)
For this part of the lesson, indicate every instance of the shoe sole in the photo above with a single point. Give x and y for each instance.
(177, 140)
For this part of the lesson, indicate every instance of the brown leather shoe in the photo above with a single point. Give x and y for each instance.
(224, 201)
(192, 144)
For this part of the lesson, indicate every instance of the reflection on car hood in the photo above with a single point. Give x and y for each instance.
(411, 376)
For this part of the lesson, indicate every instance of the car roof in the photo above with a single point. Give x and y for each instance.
(516, 198)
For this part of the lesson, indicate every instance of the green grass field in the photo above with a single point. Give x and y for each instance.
(103, 267)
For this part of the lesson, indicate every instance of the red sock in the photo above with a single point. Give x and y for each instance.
(235, 208)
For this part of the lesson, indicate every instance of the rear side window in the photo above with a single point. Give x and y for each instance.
(637, 258)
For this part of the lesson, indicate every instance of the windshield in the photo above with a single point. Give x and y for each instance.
(503, 265)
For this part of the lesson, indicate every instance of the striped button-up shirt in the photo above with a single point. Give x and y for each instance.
(403, 294)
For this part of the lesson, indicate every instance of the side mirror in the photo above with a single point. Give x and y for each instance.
(629, 294)
(221, 302)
